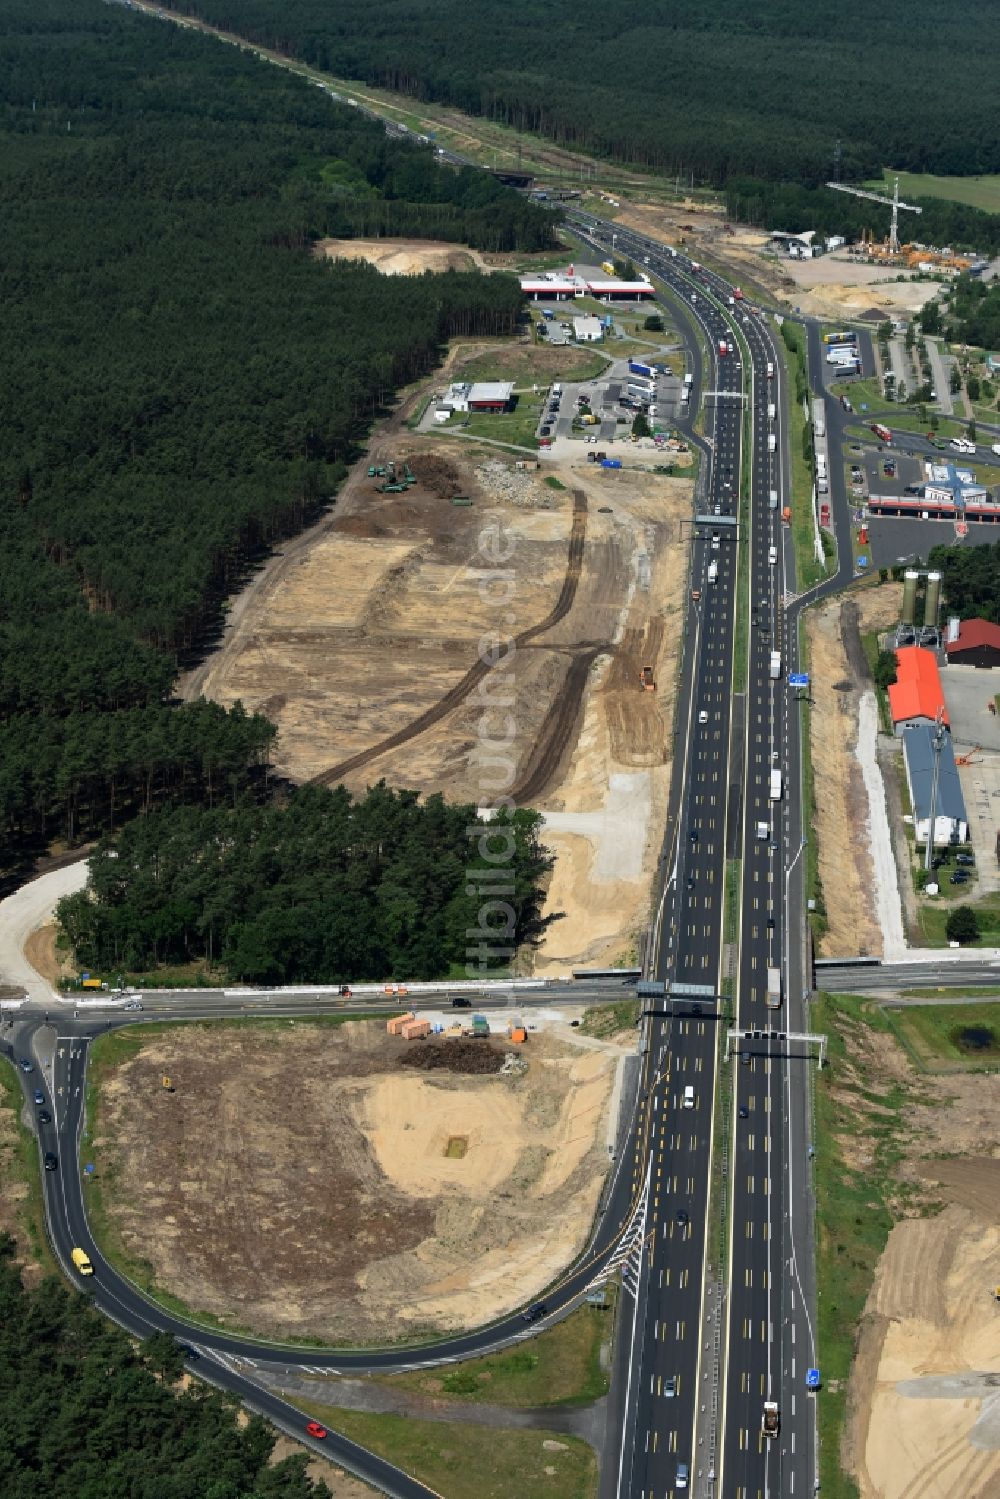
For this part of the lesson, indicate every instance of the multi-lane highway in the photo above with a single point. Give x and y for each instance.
(722, 1317)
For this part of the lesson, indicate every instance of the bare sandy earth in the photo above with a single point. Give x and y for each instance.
(924, 1395)
(304, 1182)
(404, 257)
(841, 801)
(21, 914)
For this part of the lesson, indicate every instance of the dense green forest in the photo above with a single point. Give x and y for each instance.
(324, 889)
(971, 314)
(184, 380)
(970, 580)
(84, 1414)
(711, 88)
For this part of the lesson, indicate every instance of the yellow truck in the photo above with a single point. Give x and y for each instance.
(607, 266)
(82, 1262)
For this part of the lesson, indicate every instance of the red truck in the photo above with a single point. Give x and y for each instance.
(881, 432)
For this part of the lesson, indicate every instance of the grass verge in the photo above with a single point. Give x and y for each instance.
(21, 1176)
(607, 1020)
(966, 1038)
(934, 917)
(560, 1367)
(808, 572)
(814, 885)
(466, 1461)
(859, 1118)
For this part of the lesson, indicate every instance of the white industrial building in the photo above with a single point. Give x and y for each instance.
(485, 395)
(588, 330)
(951, 823)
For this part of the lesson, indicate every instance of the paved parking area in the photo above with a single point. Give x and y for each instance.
(899, 539)
(968, 691)
(981, 788)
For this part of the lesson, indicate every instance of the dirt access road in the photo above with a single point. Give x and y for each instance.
(839, 674)
(308, 1180)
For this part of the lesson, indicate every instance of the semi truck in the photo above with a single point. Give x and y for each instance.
(881, 432)
(772, 443)
(770, 370)
(774, 666)
(723, 346)
(772, 995)
(847, 336)
(774, 794)
(713, 571)
(638, 367)
(771, 1420)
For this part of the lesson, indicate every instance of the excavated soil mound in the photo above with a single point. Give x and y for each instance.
(470, 1058)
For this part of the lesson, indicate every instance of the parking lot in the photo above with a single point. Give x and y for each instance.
(968, 693)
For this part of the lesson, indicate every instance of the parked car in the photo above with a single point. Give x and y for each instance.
(960, 877)
(967, 859)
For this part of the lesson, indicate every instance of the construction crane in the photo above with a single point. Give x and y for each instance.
(893, 203)
(967, 759)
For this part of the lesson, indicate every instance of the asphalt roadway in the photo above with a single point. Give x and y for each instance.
(700, 1354)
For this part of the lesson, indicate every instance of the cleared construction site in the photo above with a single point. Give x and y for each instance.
(364, 642)
(335, 1181)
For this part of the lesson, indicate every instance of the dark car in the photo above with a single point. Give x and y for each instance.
(27, 1065)
(960, 877)
(744, 1112)
(966, 859)
(546, 431)
(51, 1161)
(188, 1351)
(770, 923)
(745, 1058)
(535, 1313)
(682, 1217)
(39, 1097)
(44, 1117)
(459, 1003)
(693, 835)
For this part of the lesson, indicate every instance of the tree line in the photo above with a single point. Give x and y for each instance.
(969, 315)
(185, 380)
(704, 91)
(323, 888)
(970, 579)
(84, 1411)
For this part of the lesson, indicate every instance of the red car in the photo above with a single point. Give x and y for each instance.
(315, 1429)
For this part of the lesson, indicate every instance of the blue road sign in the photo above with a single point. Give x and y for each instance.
(798, 679)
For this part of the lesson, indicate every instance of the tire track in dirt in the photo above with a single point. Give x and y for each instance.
(557, 733)
(477, 673)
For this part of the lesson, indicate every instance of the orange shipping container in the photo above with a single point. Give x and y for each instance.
(395, 1025)
(518, 1035)
(415, 1030)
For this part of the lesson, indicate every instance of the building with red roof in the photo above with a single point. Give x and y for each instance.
(916, 696)
(975, 642)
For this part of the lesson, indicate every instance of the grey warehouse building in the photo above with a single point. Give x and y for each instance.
(951, 824)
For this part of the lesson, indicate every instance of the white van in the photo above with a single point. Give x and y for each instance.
(772, 556)
(687, 1101)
